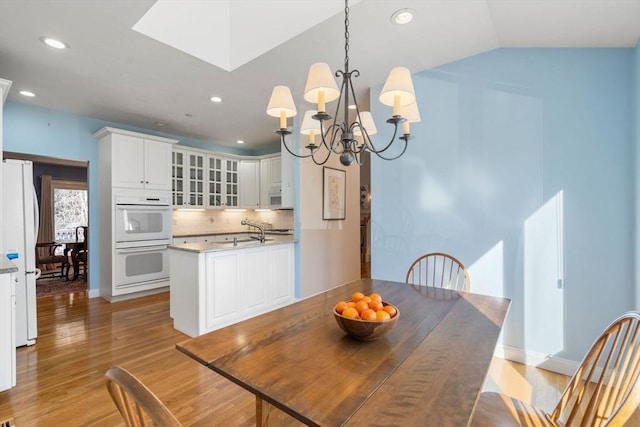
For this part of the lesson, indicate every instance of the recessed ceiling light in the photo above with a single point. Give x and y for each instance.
(27, 93)
(240, 141)
(216, 99)
(161, 124)
(402, 16)
(54, 43)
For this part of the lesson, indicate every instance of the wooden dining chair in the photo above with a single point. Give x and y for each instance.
(46, 256)
(439, 270)
(81, 255)
(604, 391)
(136, 403)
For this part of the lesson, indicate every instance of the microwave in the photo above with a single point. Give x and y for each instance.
(275, 197)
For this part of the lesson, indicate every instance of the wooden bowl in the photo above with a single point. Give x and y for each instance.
(366, 330)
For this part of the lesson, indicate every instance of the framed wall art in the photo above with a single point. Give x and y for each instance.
(334, 193)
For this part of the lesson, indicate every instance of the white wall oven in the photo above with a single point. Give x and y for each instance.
(143, 233)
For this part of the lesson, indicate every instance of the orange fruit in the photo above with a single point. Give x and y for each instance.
(340, 306)
(361, 306)
(376, 305)
(368, 314)
(357, 296)
(351, 304)
(375, 297)
(381, 315)
(351, 313)
(391, 310)
(366, 298)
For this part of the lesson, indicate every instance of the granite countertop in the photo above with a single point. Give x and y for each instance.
(7, 266)
(281, 232)
(200, 247)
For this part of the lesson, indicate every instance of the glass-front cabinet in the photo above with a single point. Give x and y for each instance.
(187, 179)
(177, 178)
(222, 182)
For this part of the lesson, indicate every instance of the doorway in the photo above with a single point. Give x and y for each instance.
(62, 192)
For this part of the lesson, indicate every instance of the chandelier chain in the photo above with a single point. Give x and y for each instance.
(346, 36)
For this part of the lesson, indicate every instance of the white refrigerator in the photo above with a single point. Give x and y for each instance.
(20, 228)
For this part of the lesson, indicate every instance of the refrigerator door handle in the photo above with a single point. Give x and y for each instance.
(38, 272)
(36, 214)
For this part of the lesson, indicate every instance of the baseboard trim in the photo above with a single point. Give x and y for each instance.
(539, 360)
(94, 293)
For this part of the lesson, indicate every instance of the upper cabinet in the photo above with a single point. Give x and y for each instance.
(271, 182)
(210, 180)
(136, 160)
(188, 178)
(222, 182)
(250, 184)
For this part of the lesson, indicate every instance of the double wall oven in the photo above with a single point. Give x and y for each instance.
(143, 233)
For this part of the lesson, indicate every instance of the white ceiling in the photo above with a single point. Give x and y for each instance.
(115, 73)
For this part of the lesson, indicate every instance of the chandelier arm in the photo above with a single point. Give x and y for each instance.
(331, 145)
(406, 144)
(300, 156)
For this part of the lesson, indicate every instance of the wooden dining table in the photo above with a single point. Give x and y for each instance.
(427, 371)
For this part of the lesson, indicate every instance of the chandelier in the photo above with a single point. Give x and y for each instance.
(347, 139)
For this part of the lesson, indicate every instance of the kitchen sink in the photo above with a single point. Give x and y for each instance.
(240, 241)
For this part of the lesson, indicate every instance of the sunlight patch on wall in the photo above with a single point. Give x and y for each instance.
(544, 278)
(487, 272)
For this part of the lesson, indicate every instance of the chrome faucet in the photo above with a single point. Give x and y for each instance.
(258, 226)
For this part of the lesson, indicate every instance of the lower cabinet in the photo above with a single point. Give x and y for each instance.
(215, 289)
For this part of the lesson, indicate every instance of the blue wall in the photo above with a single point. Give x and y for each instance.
(522, 167)
(34, 130)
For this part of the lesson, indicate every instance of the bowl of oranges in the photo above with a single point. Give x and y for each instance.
(366, 317)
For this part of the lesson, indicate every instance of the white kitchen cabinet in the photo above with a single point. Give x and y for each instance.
(7, 334)
(270, 179)
(188, 179)
(137, 160)
(250, 184)
(210, 290)
(222, 182)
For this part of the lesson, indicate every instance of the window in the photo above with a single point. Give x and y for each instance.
(70, 207)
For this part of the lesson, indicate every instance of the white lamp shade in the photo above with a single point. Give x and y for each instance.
(319, 79)
(281, 101)
(309, 123)
(410, 112)
(399, 84)
(367, 123)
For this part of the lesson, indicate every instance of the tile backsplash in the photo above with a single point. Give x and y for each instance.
(212, 221)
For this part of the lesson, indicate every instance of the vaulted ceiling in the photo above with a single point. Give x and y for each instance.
(116, 73)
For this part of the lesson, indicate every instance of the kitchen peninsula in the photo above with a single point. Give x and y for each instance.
(215, 284)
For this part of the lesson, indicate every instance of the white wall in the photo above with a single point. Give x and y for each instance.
(523, 168)
(329, 251)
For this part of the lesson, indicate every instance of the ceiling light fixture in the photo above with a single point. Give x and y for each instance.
(402, 16)
(161, 124)
(54, 43)
(216, 99)
(340, 137)
(27, 93)
(239, 141)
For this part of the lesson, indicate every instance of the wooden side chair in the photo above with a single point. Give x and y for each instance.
(136, 403)
(439, 270)
(81, 255)
(46, 257)
(604, 391)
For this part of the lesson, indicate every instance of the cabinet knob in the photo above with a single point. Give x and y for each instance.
(147, 182)
(141, 182)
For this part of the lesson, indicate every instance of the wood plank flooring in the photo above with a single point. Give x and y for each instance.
(61, 378)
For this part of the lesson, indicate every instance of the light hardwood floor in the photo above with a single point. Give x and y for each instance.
(61, 378)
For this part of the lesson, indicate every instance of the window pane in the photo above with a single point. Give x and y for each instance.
(70, 211)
